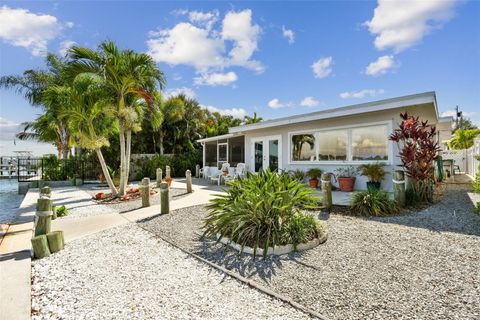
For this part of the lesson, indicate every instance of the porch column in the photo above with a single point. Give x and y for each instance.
(203, 149)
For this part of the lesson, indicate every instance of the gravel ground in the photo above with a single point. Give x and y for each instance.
(127, 273)
(423, 265)
(125, 206)
(78, 203)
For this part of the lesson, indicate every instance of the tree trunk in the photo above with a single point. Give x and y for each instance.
(106, 174)
(122, 158)
(160, 143)
(127, 156)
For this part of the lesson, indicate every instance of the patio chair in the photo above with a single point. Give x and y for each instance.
(204, 172)
(231, 175)
(240, 170)
(215, 175)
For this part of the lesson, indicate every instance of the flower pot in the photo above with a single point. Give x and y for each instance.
(372, 185)
(346, 183)
(168, 181)
(313, 183)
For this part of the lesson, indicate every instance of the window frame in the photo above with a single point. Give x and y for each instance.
(349, 161)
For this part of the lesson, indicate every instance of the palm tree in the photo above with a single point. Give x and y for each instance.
(32, 84)
(298, 142)
(254, 119)
(127, 76)
(463, 139)
(86, 116)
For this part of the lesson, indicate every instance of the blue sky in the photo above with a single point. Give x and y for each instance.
(275, 58)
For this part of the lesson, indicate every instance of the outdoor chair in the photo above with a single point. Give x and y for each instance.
(231, 175)
(215, 175)
(240, 170)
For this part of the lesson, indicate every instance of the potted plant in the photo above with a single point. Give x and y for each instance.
(346, 177)
(298, 175)
(168, 180)
(314, 174)
(375, 173)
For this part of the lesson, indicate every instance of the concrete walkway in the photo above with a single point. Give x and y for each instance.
(15, 259)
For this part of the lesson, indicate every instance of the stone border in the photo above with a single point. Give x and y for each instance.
(278, 250)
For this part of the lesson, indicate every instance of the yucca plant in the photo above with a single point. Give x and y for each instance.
(373, 203)
(264, 210)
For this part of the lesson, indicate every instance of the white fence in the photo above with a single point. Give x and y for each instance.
(466, 159)
(471, 161)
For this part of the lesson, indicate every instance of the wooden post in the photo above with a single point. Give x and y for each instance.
(167, 172)
(44, 216)
(327, 190)
(54, 212)
(188, 175)
(197, 171)
(159, 177)
(46, 192)
(145, 192)
(55, 241)
(399, 187)
(40, 246)
(164, 198)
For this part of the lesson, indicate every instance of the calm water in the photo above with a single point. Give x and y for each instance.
(10, 200)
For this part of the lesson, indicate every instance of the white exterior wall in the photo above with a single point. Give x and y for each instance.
(389, 117)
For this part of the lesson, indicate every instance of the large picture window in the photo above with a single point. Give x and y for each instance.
(303, 147)
(370, 143)
(332, 145)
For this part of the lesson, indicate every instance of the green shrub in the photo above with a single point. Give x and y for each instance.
(298, 175)
(314, 173)
(477, 208)
(62, 211)
(264, 210)
(373, 203)
(178, 164)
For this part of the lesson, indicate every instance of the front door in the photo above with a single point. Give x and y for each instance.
(266, 152)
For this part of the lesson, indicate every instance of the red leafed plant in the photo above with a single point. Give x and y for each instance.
(418, 152)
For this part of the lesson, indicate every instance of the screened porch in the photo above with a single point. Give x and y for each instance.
(223, 149)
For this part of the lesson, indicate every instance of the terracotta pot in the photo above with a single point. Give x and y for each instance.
(225, 173)
(168, 181)
(313, 183)
(346, 183)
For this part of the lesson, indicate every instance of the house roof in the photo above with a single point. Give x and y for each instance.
(393, 103)
(223, 136)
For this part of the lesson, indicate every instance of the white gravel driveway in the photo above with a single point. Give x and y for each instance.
(126, 273)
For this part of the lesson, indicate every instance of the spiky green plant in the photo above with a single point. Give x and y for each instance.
(264, 210)
(373, 203)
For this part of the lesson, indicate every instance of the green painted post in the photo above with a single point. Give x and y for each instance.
(40, 246)
(45, 192)
(188, 175)
(164, 198)
(327, 190)
(55, 241)
(145, 192)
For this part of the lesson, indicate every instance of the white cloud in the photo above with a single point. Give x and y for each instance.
(238, 27)
(289, 34)
(275, 104)
(381, 66)
(399, 25)
(309, 102)
(22, 28)
(176, 91)
(8, 129)
(205, 19)
(322, 67)
(198, 44)
(187, 44)
(216, 79)
(65, 45)
(239, 113)
(361, 94)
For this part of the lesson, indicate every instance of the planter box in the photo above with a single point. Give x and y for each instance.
(278, 250)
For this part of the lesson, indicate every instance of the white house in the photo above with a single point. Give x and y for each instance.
(327, 139)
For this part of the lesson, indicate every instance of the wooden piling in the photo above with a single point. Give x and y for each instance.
(159, 177)
(164, 198)
(327, 190)
(145, 192)
(188, 176)
(44, 216)
(197, 171)
(399, 187)
(40, 246)
(55, 241)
